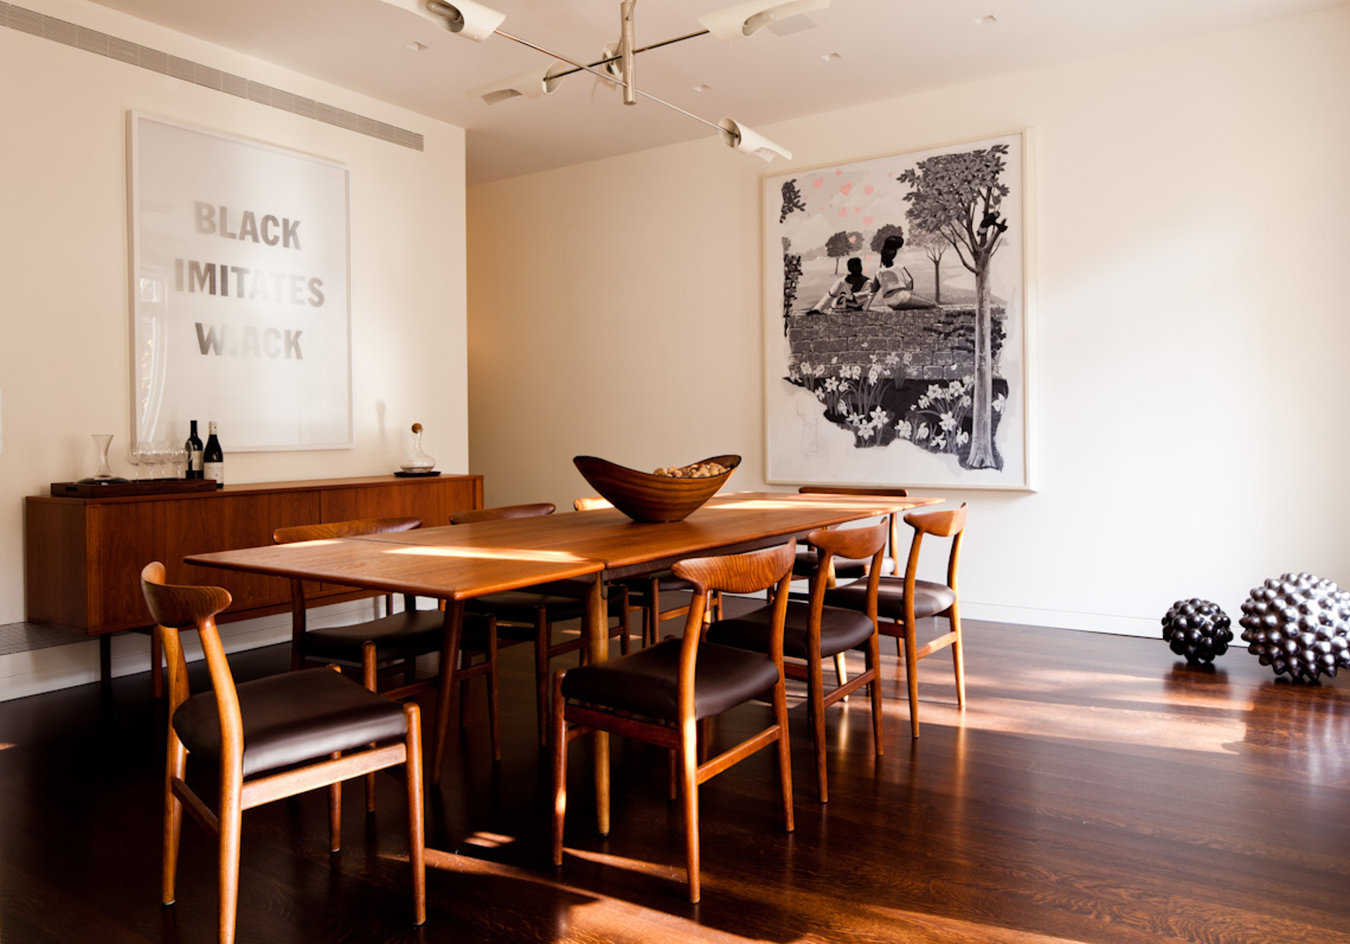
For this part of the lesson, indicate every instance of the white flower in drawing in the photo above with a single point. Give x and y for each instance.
(998, 403)
(879, 417)
(939, 442)
(820, 395)
(841, 407)
(922, 434)
(947, 422)
(903, 429)
(832, 384)
(962, 438)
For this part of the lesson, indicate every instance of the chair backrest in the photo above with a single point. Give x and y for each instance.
(175, 608)
(343, 529)
(591, 504)
(751, 572)
(891, 492)
(534, 510)
(851, 544)
(946, 523)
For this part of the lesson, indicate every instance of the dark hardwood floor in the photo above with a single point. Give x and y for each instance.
(1094, 790)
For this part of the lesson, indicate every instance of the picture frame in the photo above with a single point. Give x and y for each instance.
(240, 295)
(895, 325)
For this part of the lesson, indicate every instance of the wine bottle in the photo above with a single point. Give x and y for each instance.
(194, 451)
(213, 459)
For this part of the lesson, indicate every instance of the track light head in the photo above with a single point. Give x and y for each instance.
(745, 19)
(740, 138)
(468, 19)
(528, 84)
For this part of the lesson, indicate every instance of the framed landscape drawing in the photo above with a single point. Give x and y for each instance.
(895, 320)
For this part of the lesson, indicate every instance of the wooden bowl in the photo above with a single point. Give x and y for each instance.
(644, 496)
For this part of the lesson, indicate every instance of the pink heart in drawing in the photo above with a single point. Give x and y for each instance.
(867, 221)
(857, 209)
(846, 189)
(818, 182)
(853, 239)
(868, 189)
(843, 211)
(838, 171)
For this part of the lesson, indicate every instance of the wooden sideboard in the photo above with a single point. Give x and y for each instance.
(83, 556)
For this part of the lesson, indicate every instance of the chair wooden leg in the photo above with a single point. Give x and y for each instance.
(175, 769)
(416, 825)
(912, 676)
(369, 678)
(958, 659)
(689, 789)
(494, 722)
(335, 810)
(784, 751)
(873, 664)
(816, 699)
(231, 817)
(841, 672)
(542, 636)
(623, 621)
(559, 767)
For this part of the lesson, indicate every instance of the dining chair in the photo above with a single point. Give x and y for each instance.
(645, 593)
(903, 601)
(814, 632)
(268, 739)
(808, 558)
(529, 615)
(395, 639)
(661, 693)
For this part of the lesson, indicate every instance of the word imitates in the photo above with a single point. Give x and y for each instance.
(223, 279)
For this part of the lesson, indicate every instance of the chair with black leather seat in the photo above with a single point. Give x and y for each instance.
(660, 693)
(395, 639)
(814, 632)
(267, 739)
(529, 615)
(903, 601)
(808, 558)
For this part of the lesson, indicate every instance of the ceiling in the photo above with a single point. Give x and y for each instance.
(852, 53)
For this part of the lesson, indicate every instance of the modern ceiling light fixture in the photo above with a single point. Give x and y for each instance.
(618, 65)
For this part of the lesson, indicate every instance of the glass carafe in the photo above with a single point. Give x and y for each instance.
(417, 460)
(103, 475)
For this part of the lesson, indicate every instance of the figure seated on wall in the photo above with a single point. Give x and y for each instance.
(847, 293)
(893, 287)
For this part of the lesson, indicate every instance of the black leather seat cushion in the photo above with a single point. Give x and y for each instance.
(930, 598)
(666, 582)
(292, 718)
(398, 636)
(646, 682)
(840, 630)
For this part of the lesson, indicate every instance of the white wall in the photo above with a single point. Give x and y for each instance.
(1189, 315)
(65, 366)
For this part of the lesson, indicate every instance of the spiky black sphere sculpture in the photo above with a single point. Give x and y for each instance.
(1299, 624)
(1197, 629)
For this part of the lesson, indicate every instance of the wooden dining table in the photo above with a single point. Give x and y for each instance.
(456, 563)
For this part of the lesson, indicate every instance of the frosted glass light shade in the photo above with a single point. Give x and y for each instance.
(744, 19)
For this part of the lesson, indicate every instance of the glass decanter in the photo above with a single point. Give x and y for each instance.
(103, 475)
(417, 460)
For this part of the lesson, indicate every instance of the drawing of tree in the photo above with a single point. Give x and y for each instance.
(842, 244)
(934, 247)
(958, 196)
(792, 200)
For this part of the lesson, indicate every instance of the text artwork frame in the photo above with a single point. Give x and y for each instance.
(895, 327)
(240, 292)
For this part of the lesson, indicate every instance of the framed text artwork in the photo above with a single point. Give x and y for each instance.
(239, 285)
(895, 325)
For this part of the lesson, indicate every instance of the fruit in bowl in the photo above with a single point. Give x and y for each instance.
(670, 494)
